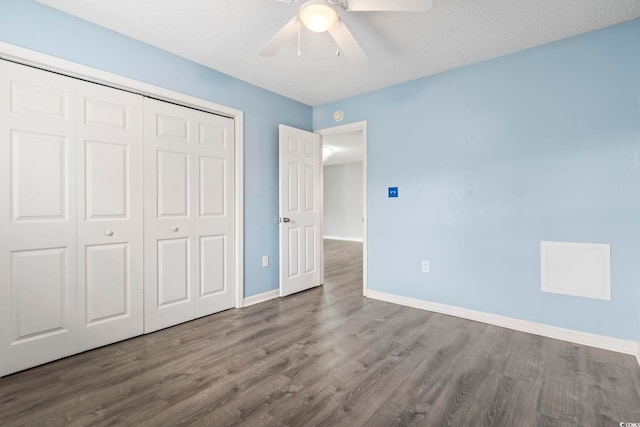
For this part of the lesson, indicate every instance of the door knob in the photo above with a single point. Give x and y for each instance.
(109, 233)
(174, 228)
(285, 219)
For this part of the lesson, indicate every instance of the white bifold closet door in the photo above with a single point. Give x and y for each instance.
(38, 217)
(189, 214)
(70, 216)
(110, 248)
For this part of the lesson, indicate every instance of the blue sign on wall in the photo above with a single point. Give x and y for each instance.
(393, 191)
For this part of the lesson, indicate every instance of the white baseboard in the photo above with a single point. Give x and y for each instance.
(265, 296)
(346, 239)
(578, 337)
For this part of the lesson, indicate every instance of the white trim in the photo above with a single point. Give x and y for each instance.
(321, 210)
(239, 201)
(72, 69)
(257, 299)
(346, 239)
(350, 127)
(58, 65)
(578, 337)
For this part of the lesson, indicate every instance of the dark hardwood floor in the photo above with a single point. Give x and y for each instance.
(329, 357)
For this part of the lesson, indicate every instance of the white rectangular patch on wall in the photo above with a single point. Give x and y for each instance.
(578, 269)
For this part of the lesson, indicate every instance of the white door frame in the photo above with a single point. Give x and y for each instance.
(357, 126)
(72, 69)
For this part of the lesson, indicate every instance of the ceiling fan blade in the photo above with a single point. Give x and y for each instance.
(280, 38)
(347, 43)
(389, 5)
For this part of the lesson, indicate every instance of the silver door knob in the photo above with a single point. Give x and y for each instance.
(285, 219)
(109, 233)
(174, 228)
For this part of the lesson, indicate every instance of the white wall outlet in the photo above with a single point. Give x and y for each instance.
(265, 261)
(425, 266)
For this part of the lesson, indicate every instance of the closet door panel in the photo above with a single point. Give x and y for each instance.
(37, 217)
(106, 183)
(213, 271)
(173, 185)
(214, 221)
(38, 286)
(169, 221)
(110, 229)
(189, 214)
(107, 287)
(38, 176)
(174, 278)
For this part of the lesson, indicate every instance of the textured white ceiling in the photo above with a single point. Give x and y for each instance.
(227, 34)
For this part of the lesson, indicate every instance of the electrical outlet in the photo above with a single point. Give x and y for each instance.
(265, 261)
(425, 266)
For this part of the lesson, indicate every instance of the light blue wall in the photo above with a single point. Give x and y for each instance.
(34, 26)
(492, 158)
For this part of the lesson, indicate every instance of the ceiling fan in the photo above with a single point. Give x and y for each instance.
(321, 15)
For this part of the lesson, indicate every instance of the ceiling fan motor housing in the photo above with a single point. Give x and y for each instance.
(318, 16)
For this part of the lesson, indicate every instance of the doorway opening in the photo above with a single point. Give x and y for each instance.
(344, 198)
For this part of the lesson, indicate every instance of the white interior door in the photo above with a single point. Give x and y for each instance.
(300, 188)
(189, 214)
(37, 217)
(109, 214)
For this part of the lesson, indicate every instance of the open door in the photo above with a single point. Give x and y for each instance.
(300, 210)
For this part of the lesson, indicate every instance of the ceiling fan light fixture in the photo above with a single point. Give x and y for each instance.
(318, 16)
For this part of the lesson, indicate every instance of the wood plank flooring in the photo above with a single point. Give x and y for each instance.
(329, 357)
